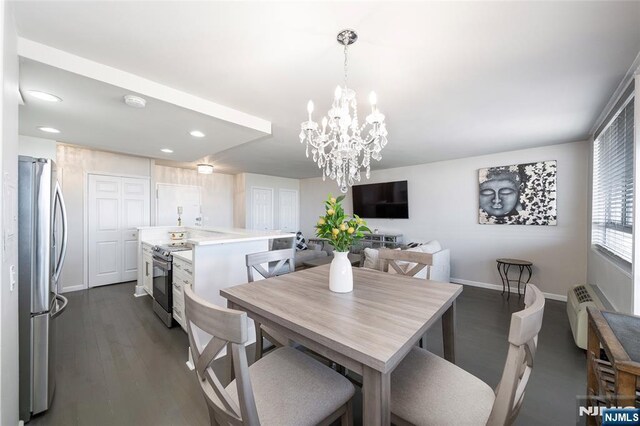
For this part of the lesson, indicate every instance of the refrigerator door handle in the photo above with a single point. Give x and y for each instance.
(60, 309)
(63, 250)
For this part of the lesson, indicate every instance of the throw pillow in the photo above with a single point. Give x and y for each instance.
(371, 258)
(301, 244)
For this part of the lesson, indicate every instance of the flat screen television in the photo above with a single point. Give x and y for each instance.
(388, 200)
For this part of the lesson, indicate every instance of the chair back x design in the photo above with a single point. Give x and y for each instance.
(280, 262)
(396, 258)
(228, 327)
(523, 341)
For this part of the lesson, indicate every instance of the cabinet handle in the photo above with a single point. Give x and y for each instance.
(177, 265)
(146, 264)
(185, 281)
(188, 271)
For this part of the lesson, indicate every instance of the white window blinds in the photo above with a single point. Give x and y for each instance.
(612, 209)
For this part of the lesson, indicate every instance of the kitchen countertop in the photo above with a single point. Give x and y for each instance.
(236, 237)
(221, 235)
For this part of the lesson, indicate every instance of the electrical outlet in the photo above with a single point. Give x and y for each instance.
(12, 277)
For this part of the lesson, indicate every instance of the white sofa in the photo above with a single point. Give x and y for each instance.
(439, 271)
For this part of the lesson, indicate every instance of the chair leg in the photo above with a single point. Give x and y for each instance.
(259, 342)
(347, 417)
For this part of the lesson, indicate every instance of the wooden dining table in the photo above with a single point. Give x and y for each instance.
(369, 330)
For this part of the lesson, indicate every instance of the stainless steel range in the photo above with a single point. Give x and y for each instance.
(163, 278)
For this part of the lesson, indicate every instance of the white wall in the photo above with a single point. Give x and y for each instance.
(75, 163)
(37, 147)
(239, 201)
(443, 205)
(242, 197)
(216, 192)
(8, 218)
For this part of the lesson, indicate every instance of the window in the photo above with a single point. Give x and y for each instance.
(612, 209)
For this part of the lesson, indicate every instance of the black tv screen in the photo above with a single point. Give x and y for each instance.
(387, 200)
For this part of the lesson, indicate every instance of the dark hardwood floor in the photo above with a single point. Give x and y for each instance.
(119, 365)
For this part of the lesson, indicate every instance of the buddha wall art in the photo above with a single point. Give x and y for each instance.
(520, 194)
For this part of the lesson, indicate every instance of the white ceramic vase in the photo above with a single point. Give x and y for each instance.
(341, 275)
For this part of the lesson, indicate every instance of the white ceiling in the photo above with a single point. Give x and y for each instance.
(454, 79)
(94, 114)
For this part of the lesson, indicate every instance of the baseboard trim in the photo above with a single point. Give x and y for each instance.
(498, 287)
(140, 291)
(73, 288)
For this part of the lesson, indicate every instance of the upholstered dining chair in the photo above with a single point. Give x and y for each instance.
(427, 390)
(284, 388)
(405, 262)
(279, 262)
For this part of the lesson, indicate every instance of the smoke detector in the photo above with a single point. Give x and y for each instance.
(135, 101)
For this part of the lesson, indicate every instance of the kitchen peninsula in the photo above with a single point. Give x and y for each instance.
(217, 256)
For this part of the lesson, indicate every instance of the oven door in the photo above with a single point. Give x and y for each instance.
(162, 283)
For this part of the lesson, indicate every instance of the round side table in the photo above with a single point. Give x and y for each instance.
(503, 270)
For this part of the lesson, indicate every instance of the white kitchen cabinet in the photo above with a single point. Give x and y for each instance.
(147, 268)
(182, 276)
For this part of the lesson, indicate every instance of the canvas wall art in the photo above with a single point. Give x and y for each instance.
(521, 194)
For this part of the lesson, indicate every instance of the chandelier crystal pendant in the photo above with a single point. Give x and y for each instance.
(342, 146)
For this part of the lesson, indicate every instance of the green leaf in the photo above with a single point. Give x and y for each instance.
(340, 198)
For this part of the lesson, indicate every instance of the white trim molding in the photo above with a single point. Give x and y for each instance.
(73, 288)
(498, 287)
(76, 64)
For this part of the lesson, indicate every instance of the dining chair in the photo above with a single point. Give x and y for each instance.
(408, 263)
(279, 262)
(405, 262)
(284, 388)
(427, 390)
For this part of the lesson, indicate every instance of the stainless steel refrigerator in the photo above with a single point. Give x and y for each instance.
(42, 222)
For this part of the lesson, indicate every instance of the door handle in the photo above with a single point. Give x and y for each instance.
(63, 251)
(61, 309)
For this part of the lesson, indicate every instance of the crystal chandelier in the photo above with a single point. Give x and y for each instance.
(341, 147)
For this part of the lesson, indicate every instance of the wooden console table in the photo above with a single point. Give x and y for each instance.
(612, 382)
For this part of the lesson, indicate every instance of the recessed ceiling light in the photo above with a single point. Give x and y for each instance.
(205, 169)
(44, 96)
(196, 134)
(167, 150)
(48, 130)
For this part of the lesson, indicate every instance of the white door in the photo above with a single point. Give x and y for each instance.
(262, 208)
(115, 206)
(288, 210)
(105, 246)
(135, 212)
